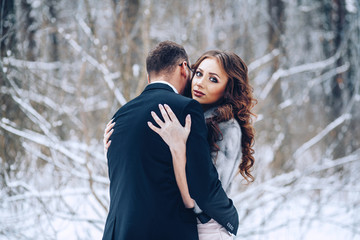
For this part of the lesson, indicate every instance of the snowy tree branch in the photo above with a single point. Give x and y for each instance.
(321, 135)
(108, 76)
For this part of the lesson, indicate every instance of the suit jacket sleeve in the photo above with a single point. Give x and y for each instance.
(204, 185)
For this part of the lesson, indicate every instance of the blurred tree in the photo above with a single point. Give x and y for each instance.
(67, 66)
(7, 22)
(28, 30)
(51, 19)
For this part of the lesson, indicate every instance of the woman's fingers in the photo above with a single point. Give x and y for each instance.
(107, 145)
(171, 113)
(108, 127)
(107, 133)
(157, 119)
(188, 123)
(109, 122)
(107, 136)
(152, 127)
(164, 113)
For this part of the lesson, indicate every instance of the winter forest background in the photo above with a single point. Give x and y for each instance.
(66, 66)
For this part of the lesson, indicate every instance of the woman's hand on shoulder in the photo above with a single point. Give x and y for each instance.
(171, 131)
(175, 136)
(107, 133)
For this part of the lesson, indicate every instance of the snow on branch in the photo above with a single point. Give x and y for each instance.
(48, 194)
(321, 135)
(279, 184)
(264, 59)
(33, 65)
(355, 156)
(329, 74)
(24, 104)
(39, 139)
(84, 27)
(280, 73)
(61, 166)
(76, 218)
(282, 179)
(36, 117)
(108, 76)
(45, 141)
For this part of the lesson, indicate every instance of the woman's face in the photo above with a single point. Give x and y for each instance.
(209, 83)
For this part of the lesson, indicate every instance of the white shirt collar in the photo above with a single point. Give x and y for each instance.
(164, 82)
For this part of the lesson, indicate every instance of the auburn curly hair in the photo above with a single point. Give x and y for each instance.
(237, 102)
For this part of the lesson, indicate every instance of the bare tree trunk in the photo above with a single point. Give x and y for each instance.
(54, 48)
(28, 30)
(7, 27)
(276, 27)
(276, 11)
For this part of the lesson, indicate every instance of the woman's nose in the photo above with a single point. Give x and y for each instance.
(199, 82)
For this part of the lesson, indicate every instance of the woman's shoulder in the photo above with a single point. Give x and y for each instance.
(229, 155)
(231, 136)
(230, 126)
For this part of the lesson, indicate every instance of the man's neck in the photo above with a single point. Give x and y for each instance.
(159, 80)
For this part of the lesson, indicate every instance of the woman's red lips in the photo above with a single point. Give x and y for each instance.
(198, 93)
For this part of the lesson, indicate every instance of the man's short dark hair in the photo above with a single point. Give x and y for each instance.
(165, 57)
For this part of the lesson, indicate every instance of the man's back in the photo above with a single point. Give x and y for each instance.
(145, 200)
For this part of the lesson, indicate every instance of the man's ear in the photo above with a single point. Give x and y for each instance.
(183, 69)
(148, 78)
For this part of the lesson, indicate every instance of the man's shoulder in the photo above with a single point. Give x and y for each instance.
(182, 99)
(125, 106)
(187, 104)
(175, 101)
(171, 97)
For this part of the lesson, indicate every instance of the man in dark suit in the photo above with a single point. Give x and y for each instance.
(145, 202)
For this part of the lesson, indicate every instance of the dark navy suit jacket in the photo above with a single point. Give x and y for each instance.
(145, 202)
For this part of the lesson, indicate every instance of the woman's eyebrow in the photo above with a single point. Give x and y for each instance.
(211, 73)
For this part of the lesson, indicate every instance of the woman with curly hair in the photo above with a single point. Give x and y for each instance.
(221, 85)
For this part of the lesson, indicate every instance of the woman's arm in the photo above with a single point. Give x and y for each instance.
(179, 162)
(175, 136)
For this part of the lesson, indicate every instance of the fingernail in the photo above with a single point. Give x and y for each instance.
(188, 116)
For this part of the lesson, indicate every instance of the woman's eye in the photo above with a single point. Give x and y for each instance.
(198, 74)
(213, 79)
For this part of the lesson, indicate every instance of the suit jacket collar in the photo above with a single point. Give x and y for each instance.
(158, 85)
